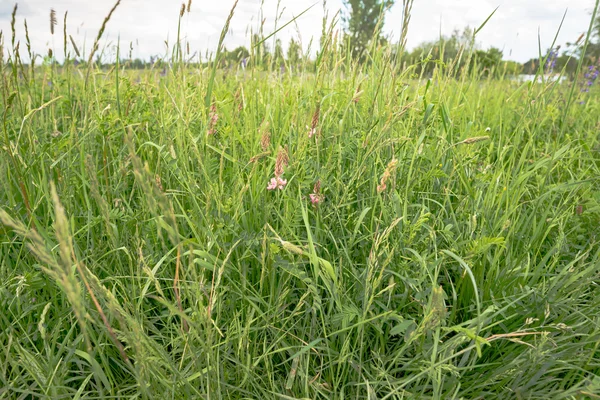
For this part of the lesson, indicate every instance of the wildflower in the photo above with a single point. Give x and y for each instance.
(214, 117)
(590, 77)
(551, 60)
(282, 161)
(277, 183)
(316, 197)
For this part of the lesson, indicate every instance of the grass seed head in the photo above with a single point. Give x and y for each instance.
(386, 175)
(265, 139)
(281, 162)
(315, 121)
(52, 20)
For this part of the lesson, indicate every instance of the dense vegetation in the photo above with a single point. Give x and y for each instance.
(342, 230)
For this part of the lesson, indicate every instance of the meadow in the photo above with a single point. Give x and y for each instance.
(342, 230)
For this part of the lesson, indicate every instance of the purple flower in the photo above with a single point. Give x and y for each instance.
(590, 78)
(551, 60)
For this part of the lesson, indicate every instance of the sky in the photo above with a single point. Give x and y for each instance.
(145, 25)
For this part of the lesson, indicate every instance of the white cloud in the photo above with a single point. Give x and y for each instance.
(148, 23)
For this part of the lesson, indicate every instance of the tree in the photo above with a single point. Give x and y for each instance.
(487, 61)
(362, 21)
(238, 54)
(278, 53)
(293, 53)
(444, 51)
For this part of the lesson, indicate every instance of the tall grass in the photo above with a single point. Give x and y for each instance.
(453, 253)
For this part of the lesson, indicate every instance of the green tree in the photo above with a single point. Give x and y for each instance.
(278, 53)
(293, 53)
(487, 61)
(362, 22)
(238, 54)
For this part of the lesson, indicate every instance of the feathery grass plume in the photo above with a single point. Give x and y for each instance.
(158, 181)
(74, 46)
(67, 255)
(259, 156)
(13, 18)
(386, 175)
(157, 201)
(61, 272)
(182, 10)
(53, 21)
(97, 41)
(473, 140)
(189, 6)
(406, 13)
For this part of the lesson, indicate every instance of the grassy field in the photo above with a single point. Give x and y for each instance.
(344, 231)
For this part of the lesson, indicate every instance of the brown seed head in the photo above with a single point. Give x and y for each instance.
(315, 117)
(265, 139)
(281, 162)
(386, 175)
(52, 20)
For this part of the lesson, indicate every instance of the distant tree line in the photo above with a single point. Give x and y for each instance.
(362, 26)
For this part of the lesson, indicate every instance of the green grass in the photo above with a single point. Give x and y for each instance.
(142, 258)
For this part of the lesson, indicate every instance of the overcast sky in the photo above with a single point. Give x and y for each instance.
(148, 23)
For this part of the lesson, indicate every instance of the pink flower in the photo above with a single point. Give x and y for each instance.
(312, 132)
(276, 183)
(315, 198)
(214, 118)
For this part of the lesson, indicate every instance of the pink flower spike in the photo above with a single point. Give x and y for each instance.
(272, 185)
(277, 183)
(315, 199)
